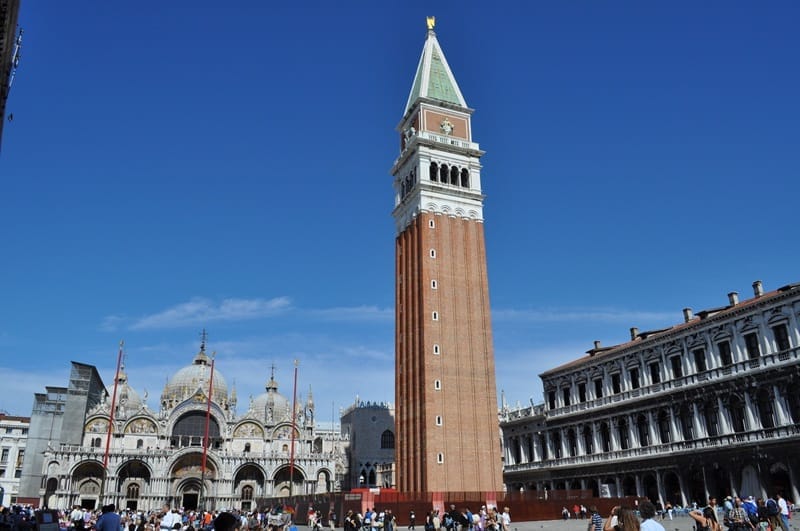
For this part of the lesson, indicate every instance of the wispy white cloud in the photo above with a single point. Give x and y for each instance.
(355, 313)
(201, 310)
(597, 315)
(111, 323)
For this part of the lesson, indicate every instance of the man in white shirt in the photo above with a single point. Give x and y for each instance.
(170, 518)
(784, 507)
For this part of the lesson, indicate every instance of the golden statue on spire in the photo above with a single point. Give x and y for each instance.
(431, 23)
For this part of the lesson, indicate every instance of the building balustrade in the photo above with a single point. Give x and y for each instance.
(748, 438)
(67, 450)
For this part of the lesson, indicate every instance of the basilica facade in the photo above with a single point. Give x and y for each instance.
(158, 457)
(707, 407)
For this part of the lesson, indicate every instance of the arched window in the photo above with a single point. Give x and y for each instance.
(644, 432)
(139, 443)
(247, 492)
(710, 417)
(588, 443)
(663, 427)
(372, 480)
(434, 172)
(623, 433)
(543, 445)
(247, 448)
(557, 445)
(191, 428)
(465, 178)
(605, 437)
(572, 443)
(736, 409)
(387, 440)
(687, 428)
(444, 172)
(96, 442)
(454, 176)
(133, 491)
(765, 410)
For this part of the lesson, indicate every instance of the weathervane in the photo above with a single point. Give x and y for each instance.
(431, 23)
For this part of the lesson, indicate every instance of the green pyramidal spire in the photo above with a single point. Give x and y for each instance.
(434, 78)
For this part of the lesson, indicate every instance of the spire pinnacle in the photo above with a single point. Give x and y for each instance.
(431, 23)
(203, 339)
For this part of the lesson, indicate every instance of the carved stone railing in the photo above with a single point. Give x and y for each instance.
(728, 440)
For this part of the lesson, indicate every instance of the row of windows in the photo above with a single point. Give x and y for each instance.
(437, 384)
(17, 473)
(449, 174)
(15, 431)
(676, 366)
(708, 411)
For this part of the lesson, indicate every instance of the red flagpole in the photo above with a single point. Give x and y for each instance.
(111, 416)
(208, 420)
(294, 430)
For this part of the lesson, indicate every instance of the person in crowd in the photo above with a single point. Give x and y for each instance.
(109, 520)
(648, 513)
(737, 519)
(784, 516)
(412, 519)
(226, 521)
(595, 520)
(705, 520)
(625, 520)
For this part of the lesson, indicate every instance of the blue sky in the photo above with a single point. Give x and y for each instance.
(179, 165)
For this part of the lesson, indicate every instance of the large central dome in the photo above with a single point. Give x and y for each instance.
(187, 381)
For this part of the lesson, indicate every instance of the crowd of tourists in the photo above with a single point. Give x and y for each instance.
(455, 519)
(108, 518)
(735, 514)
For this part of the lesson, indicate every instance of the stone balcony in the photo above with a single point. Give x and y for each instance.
(760, 437)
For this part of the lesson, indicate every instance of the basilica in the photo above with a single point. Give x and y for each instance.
(158, 457)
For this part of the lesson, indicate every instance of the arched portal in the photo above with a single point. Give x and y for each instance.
(672, 488)
(287, 484)
(86, 480)
(188, 471)
(133, 479)
(697, 486)
(248, 480)
(778, 480)
(629, 486)
(650, 487)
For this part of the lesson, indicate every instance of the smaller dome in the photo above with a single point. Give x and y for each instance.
(271, 407)
(127, 397)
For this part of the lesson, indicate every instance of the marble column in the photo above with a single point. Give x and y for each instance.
(751, 415)
(699, 428)
(782, 414)
(673, 426)
(723, 418)
(653, 429)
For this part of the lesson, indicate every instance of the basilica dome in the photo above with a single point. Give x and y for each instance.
(271, 407)
(187, 381)
(127, 397)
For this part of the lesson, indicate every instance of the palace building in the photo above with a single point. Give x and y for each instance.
(707, 407)
(444, 359)
(156, 457)
(13, 439)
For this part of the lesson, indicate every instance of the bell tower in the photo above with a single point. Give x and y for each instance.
(446, 402)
